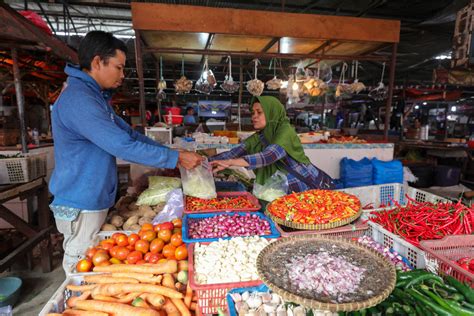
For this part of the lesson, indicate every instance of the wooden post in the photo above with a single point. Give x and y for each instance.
(20, 101)
(141, 80)
(388, 106)
(241, 89)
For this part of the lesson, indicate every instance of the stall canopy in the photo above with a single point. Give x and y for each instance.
(19, 34)
(192, 32)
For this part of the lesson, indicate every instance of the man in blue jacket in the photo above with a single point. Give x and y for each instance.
(88, 136)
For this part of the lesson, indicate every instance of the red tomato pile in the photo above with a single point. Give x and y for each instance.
(315, 207)
(152, 244)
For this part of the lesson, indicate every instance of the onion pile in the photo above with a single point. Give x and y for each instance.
(393, 256)
(228, 226)
(322, 273)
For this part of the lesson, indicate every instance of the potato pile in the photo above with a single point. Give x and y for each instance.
(127, 215)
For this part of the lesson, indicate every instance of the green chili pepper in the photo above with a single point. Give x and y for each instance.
(427, 302)
(421, 278)
(462, 288)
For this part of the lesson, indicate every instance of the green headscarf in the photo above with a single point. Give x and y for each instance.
(277, 131)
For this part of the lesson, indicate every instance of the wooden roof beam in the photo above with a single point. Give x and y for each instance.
(185, 18)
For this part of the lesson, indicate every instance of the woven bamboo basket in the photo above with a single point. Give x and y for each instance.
(312, 226)
(270, 250)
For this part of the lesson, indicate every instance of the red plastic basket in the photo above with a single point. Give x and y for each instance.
(445, 252)
(211, 297)
(246, 195)
(354, 230)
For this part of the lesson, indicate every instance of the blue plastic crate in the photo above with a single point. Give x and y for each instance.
(273, 230)
(230, 301)
(229, 186)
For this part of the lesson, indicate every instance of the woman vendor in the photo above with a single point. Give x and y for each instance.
(275, 146)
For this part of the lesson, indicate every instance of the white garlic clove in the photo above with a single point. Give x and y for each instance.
(266, 297)
(299, 311)
(245, 296)
(236, 297)
(276, 299)
(269, 308)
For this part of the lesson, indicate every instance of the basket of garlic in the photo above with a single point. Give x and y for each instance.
(259, 300)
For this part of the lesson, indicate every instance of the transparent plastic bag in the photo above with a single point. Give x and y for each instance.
(174, 207)
(158, 188)
(274, 188)
(199, 182)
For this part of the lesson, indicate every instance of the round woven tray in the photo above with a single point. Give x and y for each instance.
(312, 226)
(266, 262)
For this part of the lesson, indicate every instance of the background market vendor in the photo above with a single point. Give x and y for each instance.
(88, 136)
(275, 146)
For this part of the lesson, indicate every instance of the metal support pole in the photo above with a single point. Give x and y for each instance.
(19, 100)
(388, 106)
(241, 89)
(141, 81)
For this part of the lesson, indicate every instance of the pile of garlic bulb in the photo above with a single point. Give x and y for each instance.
(269, 304)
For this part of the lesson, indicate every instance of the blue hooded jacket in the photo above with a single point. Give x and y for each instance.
(88, 135)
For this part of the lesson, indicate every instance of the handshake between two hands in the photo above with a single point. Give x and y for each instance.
(190, 160)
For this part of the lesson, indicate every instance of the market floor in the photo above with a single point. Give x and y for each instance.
(37, 288)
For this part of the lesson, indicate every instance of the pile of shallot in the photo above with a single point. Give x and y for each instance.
(393, 256)
(225, 225)
(325, 274)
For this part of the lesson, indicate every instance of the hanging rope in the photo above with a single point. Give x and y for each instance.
(230, 66)
(256, 61)
(342, 77)
(182, 65)
(356, 71)
(161, 68)
(319, 68)
(273, 62)
(383, 72)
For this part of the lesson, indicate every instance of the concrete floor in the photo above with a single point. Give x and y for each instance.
(37, 288)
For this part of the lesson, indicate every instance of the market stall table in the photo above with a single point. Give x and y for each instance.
(34, 235)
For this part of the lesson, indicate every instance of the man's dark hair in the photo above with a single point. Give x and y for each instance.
(98, 43)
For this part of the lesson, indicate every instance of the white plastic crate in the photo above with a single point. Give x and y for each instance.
(57, 303)
(413, 254)
(22, 169)
(387, 193)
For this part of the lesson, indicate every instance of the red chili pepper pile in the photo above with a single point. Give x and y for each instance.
(315, 207)
(219, 203)
(423, 221)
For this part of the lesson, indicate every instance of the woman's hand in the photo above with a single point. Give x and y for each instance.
(189, 160)
(218, 165)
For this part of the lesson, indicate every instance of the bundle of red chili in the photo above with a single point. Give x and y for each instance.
(219, 203)
(315, 207)
(424, 220)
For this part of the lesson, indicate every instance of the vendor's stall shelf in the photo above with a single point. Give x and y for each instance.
(354, 230)
(22, 169)
(57, 303)
(441, 256)
(414, 255)
(212, 297)
(382, 197)
(274, 232)
(245, 195)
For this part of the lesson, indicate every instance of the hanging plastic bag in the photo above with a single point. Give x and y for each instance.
(158, 188)
(343, 88)
(174, 207)
(207, 81)
(161, 95)
(275, 187)
(357, 86)
(380, 92)
(199, 182)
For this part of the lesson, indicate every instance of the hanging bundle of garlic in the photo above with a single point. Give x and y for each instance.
(315, 86)
(183, 85)
(356, 86)
(274, 83)
(207, 81)
(255, 86)
(229, 85)
(380, 92)
(161, 95)
(342, 87)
